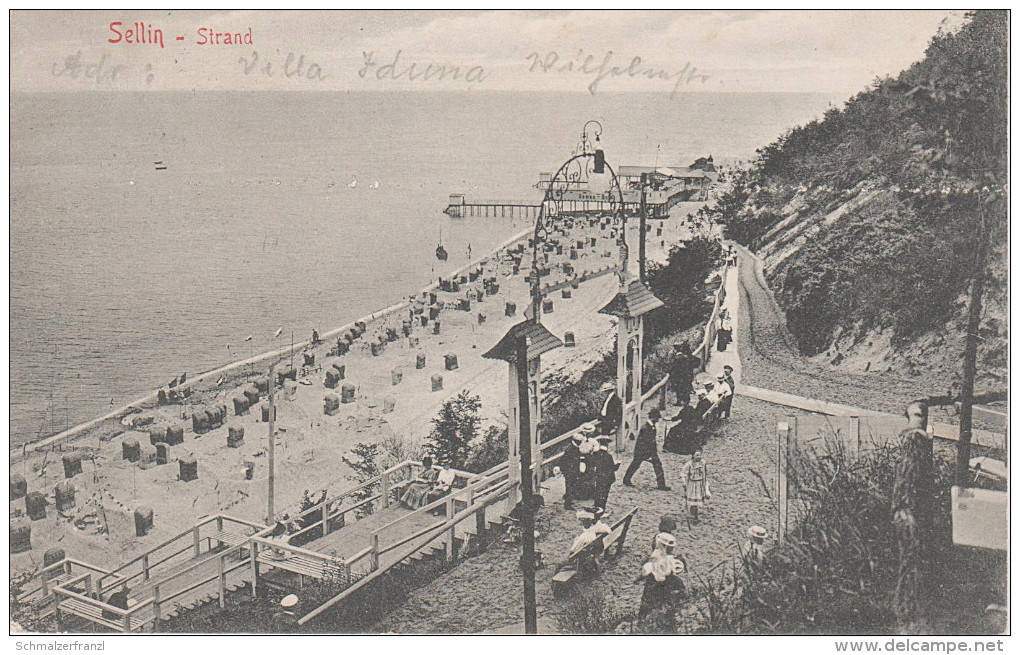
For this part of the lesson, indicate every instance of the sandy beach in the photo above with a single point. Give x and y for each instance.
(394, 402)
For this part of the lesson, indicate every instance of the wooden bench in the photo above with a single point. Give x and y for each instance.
(304, 566)
(617, 536)
(228, 539)
(95, 614)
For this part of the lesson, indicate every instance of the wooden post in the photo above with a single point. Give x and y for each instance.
(527, 491)
(198, 548)
(782, 489)
(127, 623)
(450, 546)
(145, 565)
(480, 528)
(219, 524)
(977, 286)
(254, 567)
(156, 609)
(641, 228)
(222, 581)
(374, 555)
(386, 489)
(45, 584)
(272, 448)
(855, 432)
(324, 508)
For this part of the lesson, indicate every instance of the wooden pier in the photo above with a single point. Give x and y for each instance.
(459, 207)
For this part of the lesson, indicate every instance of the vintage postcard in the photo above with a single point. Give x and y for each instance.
(504, 322)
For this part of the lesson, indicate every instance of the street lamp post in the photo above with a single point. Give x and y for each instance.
(272, 448)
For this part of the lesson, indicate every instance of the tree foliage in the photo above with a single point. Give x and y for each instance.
(680, 283)
(454, 429)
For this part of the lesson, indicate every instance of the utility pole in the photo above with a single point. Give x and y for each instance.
(527, 491)
(292, 348)
(642, 227)
(977, 285)
(272, 447)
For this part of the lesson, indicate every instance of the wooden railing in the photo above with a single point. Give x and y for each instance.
(178, 549)
(704, 349)
(445, 528)
(331, 513)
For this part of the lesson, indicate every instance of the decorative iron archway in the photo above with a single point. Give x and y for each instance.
(575, 173)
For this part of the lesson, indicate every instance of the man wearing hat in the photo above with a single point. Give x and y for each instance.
(570, 466)
(288, 615)
(612, 410)
(724, 409)
(753, 552)
(605, 471)
(706, 396)
(645, 449)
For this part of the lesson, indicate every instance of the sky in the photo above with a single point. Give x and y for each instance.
(673, 52)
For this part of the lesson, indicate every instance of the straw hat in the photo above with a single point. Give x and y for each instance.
(289, 601)
(588, 428)
(757, 532)
(607, 386)
(665, 540)
(585, 515)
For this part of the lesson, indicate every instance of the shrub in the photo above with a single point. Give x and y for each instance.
(492, 448)
(591, 612)
(454, 429)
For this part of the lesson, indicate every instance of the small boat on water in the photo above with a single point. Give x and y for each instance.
(354, 182)
(374, 185)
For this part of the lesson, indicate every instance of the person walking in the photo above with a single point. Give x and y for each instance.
(605, 472)
(645, 449)
(696, 489)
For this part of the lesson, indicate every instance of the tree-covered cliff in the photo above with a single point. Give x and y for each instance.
(869, 220)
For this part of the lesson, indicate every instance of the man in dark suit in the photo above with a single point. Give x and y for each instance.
(605, 471)
(727, 403)
(681, 372)
(645, 449)
(570, 465)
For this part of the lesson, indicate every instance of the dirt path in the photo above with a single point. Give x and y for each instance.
(770, 358)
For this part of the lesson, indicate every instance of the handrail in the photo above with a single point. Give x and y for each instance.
(397, 544)
(338, 511)
(192, 567)
(457, 518)
(166, 599)
(297, 549)
(363, 485)
(359, 555)
(437, 503)
(189, 532)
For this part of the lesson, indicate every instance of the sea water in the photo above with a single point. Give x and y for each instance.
(124, 276)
